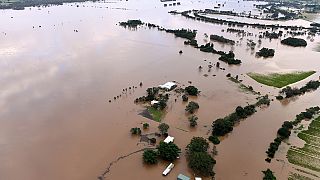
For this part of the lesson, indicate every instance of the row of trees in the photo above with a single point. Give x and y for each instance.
(290, 92)
(285, 131)
(221, 39)
(222, 126)
(265, 52)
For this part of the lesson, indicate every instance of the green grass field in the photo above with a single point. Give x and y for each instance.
(308, 156)
(280, 80)
(156, 114)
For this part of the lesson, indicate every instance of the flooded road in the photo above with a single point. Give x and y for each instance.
(55, 118)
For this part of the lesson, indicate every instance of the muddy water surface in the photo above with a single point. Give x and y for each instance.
(55, 118)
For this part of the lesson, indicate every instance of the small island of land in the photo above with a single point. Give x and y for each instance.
(280, 80)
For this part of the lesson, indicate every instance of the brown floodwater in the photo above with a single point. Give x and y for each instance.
(55, 118)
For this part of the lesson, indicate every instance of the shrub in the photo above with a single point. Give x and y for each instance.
(135, 131)
(193, 120)
(145, 125)
(163, 128)
(214, 139)
(185, 98)
(191, 90)
(268, 175)
(192, 107)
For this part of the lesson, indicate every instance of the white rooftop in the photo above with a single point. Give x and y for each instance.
(167, 85)
(154, 102)
(168, 169)
(169, 139)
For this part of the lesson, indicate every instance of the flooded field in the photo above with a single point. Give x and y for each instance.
(60, 66)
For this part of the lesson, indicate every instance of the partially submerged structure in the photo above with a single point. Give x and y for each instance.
(168, 169)
(168, 85)
(182, 177)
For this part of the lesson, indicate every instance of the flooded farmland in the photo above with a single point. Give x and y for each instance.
(61, 65)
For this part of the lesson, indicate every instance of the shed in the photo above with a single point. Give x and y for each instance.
(182, 177)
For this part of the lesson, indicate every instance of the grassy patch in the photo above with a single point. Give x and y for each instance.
(308, 156)
(156, 114)
(280, 80)
(295, 176)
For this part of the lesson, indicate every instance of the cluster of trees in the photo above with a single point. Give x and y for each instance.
(290, 92)
(229, 58)
(272, 35)
(165, 151)
(131, 23)
(183, 33)
(191, 90)
(265, 52)
(222, 39)
(153, 94)
(285, 131)
(192, 107)
(199, 160)
(295, 42)
(222, 126)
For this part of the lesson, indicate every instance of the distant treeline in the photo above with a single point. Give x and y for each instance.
(21, 4)
(197, 16)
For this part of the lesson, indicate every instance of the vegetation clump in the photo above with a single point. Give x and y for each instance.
(268, 175)
(265, 52)
(131, 23)
(193, 120)
(290, 92)
(183, 33)
(229, 58)
(135, 131)
(163, 128)
(221, 39)
(214, 139)
(295, 42)
(185, 98)
(223, 126)
(199, 160)
(192, 107)
(191, 90)
(145, 125)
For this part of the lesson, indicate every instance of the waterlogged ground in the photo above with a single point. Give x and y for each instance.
(61, 65)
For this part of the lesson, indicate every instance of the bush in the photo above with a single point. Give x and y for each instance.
(214, 139)
(193, 120)
(163, 128)
(191, 90)
(135, 131)
(145, 125)
(168, 151)
(192, 107)
(185, 98)
(150, 157)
